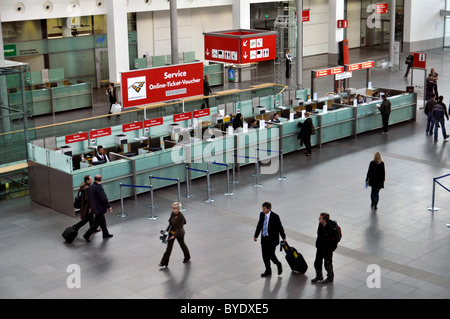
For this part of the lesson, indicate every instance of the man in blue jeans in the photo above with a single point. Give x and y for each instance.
(429, 113)
(439, 111)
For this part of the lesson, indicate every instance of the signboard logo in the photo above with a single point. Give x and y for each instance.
(136, 88)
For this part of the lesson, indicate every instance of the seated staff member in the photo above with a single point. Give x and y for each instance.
(275, 118)
(101, 157)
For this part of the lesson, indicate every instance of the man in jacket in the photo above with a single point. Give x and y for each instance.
(439, 112)
(385, 110)
(325, 246)
(99, 204)
(270, 227)
(429, 113)
(206, 91)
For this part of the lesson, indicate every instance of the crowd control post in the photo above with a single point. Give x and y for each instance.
(281, 177)
(166, 179)
(208, 183)
(228, 193)
(122, 213)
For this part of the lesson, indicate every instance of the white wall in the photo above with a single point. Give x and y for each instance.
(354, 23)
(424, 27)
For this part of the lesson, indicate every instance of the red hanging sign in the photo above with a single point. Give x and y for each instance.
(100, 133)
(201, 113)
(131, 126)
(153, 122)
(382, 8)
(79, 137)
(182, 117)
(331, 71)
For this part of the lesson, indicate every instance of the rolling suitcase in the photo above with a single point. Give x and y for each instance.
(70, 234)
(294, 258)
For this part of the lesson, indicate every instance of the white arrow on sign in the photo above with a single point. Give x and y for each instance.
(245, 55)
(244, 43)
(207, 52)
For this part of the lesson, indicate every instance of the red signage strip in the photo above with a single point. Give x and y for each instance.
(77, 137)
(332, 71)
(131, 126)
(201, 113)
(182, 117)
(305, 16)
(153, 122)
(162, 84)
(382, 8)
(342, 24)
(100, 133)
(360, 66)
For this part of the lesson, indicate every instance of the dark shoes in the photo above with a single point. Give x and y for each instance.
(280, 269)
(327, 281)
(86, 238)
(107, 236)
(316, 280)
(266, 274)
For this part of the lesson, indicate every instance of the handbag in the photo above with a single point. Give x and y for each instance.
(116, 108)
(77, 201)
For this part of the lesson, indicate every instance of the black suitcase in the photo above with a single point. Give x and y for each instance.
(294, 258)
(70, 234)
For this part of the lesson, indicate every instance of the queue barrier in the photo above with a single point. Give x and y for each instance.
(228, 193)
(208, 183)
(257, 184)
(123, 214)
(433, 208)
(164, 179)
(281, 177)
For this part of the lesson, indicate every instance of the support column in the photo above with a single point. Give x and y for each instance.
(174, 32)
(117, 27)
(299, 9)
(241, 14)
(392, 33)
(6, 120)
(335, 35)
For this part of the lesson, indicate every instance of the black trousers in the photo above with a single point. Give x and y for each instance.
(385, 120)
(99, 220)
(184, 248)
(326, 257)
(89, 218)
(307, 142)
(268, 253)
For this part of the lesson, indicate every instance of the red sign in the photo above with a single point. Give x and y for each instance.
(360, 66)
(131, 126)
(342, 24)
(153, 122)
(100, 133)
(201, 113)
(332, 71)
(240, 46)
(162, 84)
(76, 137)
(420, 60)
(382, 8)
(182, 117)
(305, 16)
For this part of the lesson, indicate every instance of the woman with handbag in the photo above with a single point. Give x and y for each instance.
(177, 221)
(85, 214)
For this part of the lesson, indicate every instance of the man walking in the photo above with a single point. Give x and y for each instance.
(385, 110)
(439, 112)
(99, 204)
(206, 91)
(325, 245)
(270, 227)
(429, 113)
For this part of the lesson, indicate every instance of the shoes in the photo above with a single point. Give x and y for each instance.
(87, 239)
(97, 230)
(185, 260)
(327, 281)
(447, 136)
(316, 280)
(107, 236)
(435, 141)
(375, 207)
(280, 269)
(163, 265)
(266, 273)
(308, 154)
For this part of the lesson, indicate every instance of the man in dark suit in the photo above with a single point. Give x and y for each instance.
(99, 204)
(270, 227)
(206, 91)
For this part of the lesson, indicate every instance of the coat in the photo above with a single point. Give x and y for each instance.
(376, 175)
(274, 230)
(84, 209)
(177, 221)
(98, 201)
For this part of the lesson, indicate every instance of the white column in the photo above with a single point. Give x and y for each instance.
(241, 14)
(335, 34)
(117, 27)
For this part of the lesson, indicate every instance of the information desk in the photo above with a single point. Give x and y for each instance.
(56, 172)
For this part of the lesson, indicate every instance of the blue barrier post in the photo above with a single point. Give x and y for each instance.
(208, 200)
(433, 208)
(188, 181)
(121, 199)
(166, 179)
(228, 193)
(122, 214)
(281, 177)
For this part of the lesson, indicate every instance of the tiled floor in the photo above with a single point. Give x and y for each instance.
(409, 244)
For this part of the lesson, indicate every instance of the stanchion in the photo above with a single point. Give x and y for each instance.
(152, 205)
(208, 164)
(228, 193)
(281, 177)
(188, 182)
(165, 179)
(257, 184)
(208, 184)
(122, 214)
(433, 208)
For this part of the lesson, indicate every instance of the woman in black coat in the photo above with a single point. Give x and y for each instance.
(305, 133)
(375, 178)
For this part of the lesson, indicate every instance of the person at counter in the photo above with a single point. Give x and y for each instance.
(101, 157)
(253, 123)
(275, 118)
(360, 99)
(237, 121)
(385, 110)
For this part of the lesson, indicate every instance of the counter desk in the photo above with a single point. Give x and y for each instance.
(57, 172)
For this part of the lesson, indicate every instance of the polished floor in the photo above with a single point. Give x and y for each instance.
(407, 243)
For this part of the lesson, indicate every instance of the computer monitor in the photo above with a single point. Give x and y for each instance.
(320, 105)
(309, 108)
(285, 113)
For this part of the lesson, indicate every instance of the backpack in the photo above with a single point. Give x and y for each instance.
(337, 233)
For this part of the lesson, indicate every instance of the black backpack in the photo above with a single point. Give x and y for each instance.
(337, 233)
